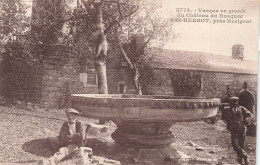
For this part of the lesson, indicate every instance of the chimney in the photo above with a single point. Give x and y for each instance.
(238, 51)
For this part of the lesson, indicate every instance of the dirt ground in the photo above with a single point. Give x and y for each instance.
(24, 133)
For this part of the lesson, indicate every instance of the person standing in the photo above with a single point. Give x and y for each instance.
(237, 117)
(246, 98)
(226, 97)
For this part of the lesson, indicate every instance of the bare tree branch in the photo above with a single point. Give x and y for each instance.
(111, 1)
(149, 39)
(130, 4)
(117, 21)
(124, 53)
(119, 10)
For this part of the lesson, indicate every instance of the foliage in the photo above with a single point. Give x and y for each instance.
(27, 37)
(134, 18)
(148, 21)
(130, 26)
(13, 20)
(19, 80)
(55, 22)
(48, 17)
(145, 27)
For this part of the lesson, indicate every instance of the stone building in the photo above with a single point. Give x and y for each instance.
(52, 80)
(185, 73)
(179, 73)
(48, 82)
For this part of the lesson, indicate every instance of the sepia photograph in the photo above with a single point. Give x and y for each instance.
(129, 82)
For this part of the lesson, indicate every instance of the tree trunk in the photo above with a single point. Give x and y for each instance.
(133, 67)
(101, 52)
(100, 67)
(136, 80)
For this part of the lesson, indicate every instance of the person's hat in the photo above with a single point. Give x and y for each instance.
(233, 98)
(71, 110)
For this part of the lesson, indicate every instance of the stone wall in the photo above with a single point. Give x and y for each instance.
(62, 77)
(123, 76)
(49, 82)
(120, 81)
(161, 83)
(198, 83)
(214, 84)
(59, 75)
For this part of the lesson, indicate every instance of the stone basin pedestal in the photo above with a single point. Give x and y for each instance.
(144, 122)
(143, 134)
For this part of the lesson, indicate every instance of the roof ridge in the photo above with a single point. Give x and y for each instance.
(199, 52)
(169, 58)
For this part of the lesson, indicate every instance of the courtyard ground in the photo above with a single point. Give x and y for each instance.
(24, 133)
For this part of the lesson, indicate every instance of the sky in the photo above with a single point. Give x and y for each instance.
(217, 38)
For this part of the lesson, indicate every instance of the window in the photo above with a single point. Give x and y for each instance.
(121, 88)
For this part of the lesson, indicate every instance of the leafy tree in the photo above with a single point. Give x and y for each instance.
(13, 21)
(146, 27)
(128, 26)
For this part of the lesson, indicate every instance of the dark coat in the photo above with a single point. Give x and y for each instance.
(236, 120)
(77, 139)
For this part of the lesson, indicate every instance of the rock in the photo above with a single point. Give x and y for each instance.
(85, 154)
(104, 129)
(212, 151)
(200, 148)
(104, 161)
(94, 162)
(109, 161)
(191, 144)
(87, 158)
(29, 106)
(18, 102)
(136, 160)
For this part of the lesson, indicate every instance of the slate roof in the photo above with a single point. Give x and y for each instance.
(187, 60)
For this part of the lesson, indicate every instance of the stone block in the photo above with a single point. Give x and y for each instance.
(149, 154)
(83, 78)
(105, 161)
